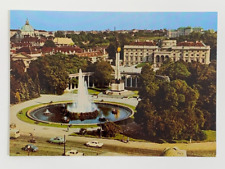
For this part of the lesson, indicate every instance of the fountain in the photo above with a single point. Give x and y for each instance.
(47, 112)
(83, 105)
(81, 111)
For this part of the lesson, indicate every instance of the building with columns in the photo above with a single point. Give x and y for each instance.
(139, 52)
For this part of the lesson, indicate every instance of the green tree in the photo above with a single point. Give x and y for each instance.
(103, 73)
(22, 86)
(59, 34)
(177, 70)
(167, 110)
(49, 43)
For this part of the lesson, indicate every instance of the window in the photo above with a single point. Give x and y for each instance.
(187, 54)
(140, 53)
(203, 60)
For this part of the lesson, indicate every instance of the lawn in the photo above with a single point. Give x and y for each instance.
(140, 65)
(211, 135)
(91, 91)
(117, 137)
(152, 38)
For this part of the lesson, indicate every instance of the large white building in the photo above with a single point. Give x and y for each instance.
(183, 31)
(139, 52)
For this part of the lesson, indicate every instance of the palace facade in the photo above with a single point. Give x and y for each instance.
(139, 52)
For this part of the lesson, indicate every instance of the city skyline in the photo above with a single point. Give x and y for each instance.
(88, 21)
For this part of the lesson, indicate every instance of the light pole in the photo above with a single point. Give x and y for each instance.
(64, 145)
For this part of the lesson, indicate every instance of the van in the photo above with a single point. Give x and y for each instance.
(14, 133)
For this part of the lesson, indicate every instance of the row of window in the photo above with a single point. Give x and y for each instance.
(134, 58)
(125, 50)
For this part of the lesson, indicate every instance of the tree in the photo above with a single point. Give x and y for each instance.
(49, 43)
(110, 129)
(59, 34)
(22, 86)
(103, 73)
(168, 110)
(177, 70)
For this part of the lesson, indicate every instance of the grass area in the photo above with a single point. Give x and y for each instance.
(140, 65)
(211, 135)
(117, 137)
(135, 93)
(91, 91)
(151, 38)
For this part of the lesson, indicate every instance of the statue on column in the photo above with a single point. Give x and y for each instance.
(118, 84)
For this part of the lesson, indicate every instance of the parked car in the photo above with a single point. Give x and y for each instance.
(14, 133)
(30, 147)
(94, 144)
(57, 140)
(74, 153)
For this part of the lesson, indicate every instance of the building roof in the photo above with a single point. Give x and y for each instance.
(27, 27)
(22, 55)
(90, 54)
(63, 41)
(28, 50)
(143, 43)
(197, 43)
(63, 49)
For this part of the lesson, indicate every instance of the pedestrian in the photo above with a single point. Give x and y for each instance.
(68, 128)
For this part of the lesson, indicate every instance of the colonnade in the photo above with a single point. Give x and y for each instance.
(130, 80)
(85, 75)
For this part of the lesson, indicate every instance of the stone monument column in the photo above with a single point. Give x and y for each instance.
(117, 70)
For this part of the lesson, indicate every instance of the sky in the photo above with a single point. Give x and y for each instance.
(86, 21)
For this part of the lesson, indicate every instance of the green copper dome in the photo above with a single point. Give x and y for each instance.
(27, 27)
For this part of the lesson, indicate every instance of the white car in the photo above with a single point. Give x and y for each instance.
(74, 153)
(94, 144)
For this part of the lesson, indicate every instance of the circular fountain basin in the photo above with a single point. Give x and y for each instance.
(56, 115)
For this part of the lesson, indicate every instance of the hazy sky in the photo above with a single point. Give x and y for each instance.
(60, 20)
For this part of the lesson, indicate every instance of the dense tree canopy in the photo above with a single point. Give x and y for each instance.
(177, 70)
(22, 86)
(49, 43)
(53, 70)
(102, 73)
(179, 109)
